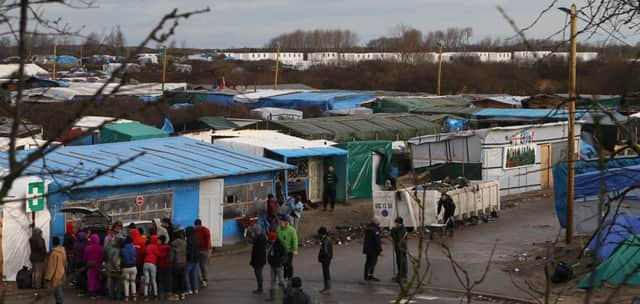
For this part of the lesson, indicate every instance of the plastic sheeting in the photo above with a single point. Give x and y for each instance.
(16, 230)
(621, 268)
(361, 165)
(587, 180)
(614, 232)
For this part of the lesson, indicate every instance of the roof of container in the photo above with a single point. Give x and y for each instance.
(217, 122)
(134, 129)
(527, 113)
(327, 100)
(348, 128)
(150, 161)
(279, 143)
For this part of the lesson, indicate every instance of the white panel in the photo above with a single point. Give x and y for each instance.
(211, 206)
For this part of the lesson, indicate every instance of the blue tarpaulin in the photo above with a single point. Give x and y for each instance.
(66, 59)
(615, 231)
(619, 174)
(527, 113)
(323, 100)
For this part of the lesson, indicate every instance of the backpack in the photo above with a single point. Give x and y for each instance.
(23, 278)
(562, 273)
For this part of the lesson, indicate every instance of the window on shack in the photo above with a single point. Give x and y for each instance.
(125, 209)
(246, 199)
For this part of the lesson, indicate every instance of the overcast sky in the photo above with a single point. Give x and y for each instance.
(251, 23)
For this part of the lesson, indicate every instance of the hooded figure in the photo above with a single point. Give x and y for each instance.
(258, 256)
(161, 230)
(37, 257)
(94, 256)
(69, 237)
(193, 258)
(78, 259)
(150, 267)
(139, 243)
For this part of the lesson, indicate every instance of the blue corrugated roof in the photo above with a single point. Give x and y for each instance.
(155, 160)
(527, 113)
(325, 100)
(310, 152)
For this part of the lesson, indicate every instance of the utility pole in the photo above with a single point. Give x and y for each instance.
(164, 67)
(55, 60)
(275, 84)
(439, 70)
(571, 136)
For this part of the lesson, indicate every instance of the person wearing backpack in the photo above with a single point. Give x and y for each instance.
(129, 270)
(276, 257)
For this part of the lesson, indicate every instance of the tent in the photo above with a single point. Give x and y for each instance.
(621, 268)
(361, 166)
(129, 131)
(66, 59)
(613, 232)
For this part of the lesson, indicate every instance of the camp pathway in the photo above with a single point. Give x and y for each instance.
(231, 277)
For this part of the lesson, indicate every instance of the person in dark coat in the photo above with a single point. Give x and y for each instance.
(258, 256)
(193, 259)
(276, 257)
(295, 294)
(330, 186)
(449, 207)
(37, 258)
(372, 249)
(399, 236)
(325, 255)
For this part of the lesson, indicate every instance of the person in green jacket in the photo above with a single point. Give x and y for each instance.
(289, 236)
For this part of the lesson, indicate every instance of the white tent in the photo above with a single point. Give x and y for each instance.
(16, 228)
(30, 69)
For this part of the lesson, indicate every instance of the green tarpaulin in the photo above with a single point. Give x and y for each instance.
(621, 268)
(361, 166)
(408, 104)
(129, 131)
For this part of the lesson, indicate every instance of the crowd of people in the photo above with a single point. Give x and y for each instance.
(171, 261)
(167, 261)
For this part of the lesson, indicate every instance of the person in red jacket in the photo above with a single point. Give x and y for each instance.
(164, 272)
(204, 237)
(139, 244)
(151, 253)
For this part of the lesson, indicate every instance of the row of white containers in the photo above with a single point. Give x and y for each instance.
(475, 200)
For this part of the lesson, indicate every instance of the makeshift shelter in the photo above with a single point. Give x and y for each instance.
(325, 101)
(405, 104)
(519, 157)
(616, 229)
(9, 70)
(500, 101)
(394, 127)
(311, 159)
(618, 175)
(276, 114)
(621, 268)
(66, 60)
(129, 131)
(220, 97)
(176, 177)
(367, 159)
(16, 226)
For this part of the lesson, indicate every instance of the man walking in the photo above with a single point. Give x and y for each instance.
(289, 237)
(178, 261)
(330, 186)
(372, 249)
(449, 207)
(204, 237)
(258, 256)
(276, 257)
(56, 263)
(399, 236)
(324, 257)
(37, 257)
